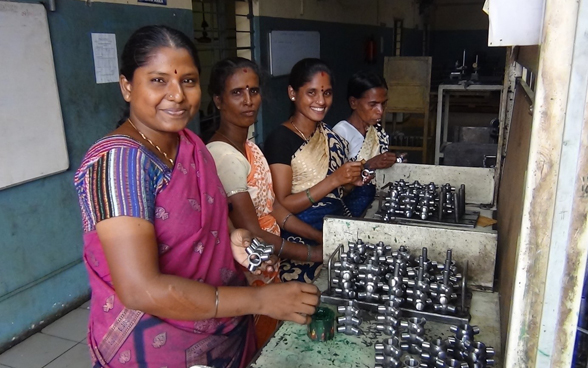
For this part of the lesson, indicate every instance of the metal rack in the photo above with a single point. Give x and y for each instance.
(462, 315)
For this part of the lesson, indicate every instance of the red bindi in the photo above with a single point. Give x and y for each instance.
(244, 70)
(247, 87)
(175, 71)
(322, 74)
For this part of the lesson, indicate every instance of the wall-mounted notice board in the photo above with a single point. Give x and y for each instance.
(32, 138)
(288, 47)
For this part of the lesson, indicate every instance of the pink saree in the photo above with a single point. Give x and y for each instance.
(191, 228)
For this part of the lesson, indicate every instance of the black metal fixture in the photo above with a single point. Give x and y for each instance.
(204, 25)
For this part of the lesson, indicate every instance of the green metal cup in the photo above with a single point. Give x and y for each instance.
(322, 325)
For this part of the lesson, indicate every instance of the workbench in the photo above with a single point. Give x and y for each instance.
(290, 347)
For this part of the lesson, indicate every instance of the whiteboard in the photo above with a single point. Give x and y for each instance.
(289, 47)
(32, 138)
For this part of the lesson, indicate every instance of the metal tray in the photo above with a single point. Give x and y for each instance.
(463, 316)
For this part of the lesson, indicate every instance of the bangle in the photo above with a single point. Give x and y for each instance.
(309, 196)
(215, 302)
(285, 219)
(281, 247)
(307, 252)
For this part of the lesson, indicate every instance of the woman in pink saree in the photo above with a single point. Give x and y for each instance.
(166, 289)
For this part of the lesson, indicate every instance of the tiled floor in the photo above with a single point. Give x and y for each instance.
(62, 344)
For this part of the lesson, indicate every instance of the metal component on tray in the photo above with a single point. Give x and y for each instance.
(258, 252)
(443, 292)
(436, 349)
(351, 309)
(426, 201)
(388, 352)
(451, 363)
(418, 295)
(414, 335)
(411, 362)
(390, 347)
(415, 325)
(349, 330)
(387, 361)
(465, 330)
(397, 287)
(346, 293)
(348, 320)
(480, 356)
(383, 278)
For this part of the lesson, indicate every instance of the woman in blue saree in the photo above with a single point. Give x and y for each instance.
(367, 94)
(308, 161)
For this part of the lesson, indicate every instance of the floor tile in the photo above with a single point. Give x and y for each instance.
(76, 357)
(73, 326)
(36, 351)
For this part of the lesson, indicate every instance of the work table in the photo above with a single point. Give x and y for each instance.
(290, 347)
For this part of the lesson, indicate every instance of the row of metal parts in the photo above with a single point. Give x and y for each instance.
(374, 273)
(407, 346)
(425, 201)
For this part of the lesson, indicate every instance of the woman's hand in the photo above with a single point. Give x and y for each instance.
(240, 240)
(349, 173)
(382, 161)
(289, 301)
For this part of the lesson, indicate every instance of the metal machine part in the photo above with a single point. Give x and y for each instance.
(377, 276)
(258, 252)
(401, 158)
(349, 322)
(385, 361)
(426, 202)
(367, 174)
(349, 330)
(436, 349)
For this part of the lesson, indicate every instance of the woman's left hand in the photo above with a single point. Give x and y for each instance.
(240, 240)
(382, 161)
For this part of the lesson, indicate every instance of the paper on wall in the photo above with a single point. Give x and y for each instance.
(515, 22)
(105, 57)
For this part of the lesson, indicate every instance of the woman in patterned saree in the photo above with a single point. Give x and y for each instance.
(308, 161)
(244, 172)
(166, 289)
(367, 93)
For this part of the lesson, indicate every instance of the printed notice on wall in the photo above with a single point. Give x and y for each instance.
(105, 57)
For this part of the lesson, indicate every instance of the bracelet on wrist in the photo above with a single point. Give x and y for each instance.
(281, 247)
(312, 201)
(286, 219)
(215, 302)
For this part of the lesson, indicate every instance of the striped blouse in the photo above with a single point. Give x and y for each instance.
(119, 177)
